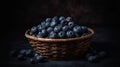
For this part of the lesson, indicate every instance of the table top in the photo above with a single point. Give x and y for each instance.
(105, 38)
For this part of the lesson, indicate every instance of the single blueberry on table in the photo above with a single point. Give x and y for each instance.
(22, 51)
(21, 57)
(33, 61)
(29, 53)
(92, 58)
(39, 58)
(88, 54)
(36, 54)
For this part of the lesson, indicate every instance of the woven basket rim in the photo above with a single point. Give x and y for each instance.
(60, 40)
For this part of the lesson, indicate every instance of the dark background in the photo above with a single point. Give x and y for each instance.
(27, 13)
(101, 15)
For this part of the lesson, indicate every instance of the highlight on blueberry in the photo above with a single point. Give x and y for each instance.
(70, 24)
(61, 34)
(70, 34)
(69, 19)
(65, 28)
(61, 18)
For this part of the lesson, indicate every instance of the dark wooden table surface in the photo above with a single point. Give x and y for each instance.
(105, 38)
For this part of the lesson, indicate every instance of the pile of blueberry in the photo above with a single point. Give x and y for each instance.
(28, 54)
(58, 27)
(94, 55)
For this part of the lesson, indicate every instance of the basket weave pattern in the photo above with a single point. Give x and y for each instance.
(60, 49)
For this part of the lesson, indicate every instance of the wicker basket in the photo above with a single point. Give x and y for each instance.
(60, 48)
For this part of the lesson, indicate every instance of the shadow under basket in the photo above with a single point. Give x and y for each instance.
(59, 49)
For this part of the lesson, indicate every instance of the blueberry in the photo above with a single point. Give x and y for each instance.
(21, 57)
(53, 23)
(36, 54)
(41, 35)
(29, 53)
(33, 30)
(61, 34)
(41, 27)
(61, 18)
(48, 20)
(78, 34)
(38, 25)
(64, 22)
(33, 61)
(49, 29)
(88, 54)
(92, 58)
(52, 35)
(31, 33)
(22, 52)
(43, 23)
(102, 54)
(68, 19)
(14, 53)
(77, 29)
(70, 24)
(84, 29)
(39, 58)
(65, 28)
(55, 18)
(70, 34)
(57, 28)
(47, 24)
(44, 31)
